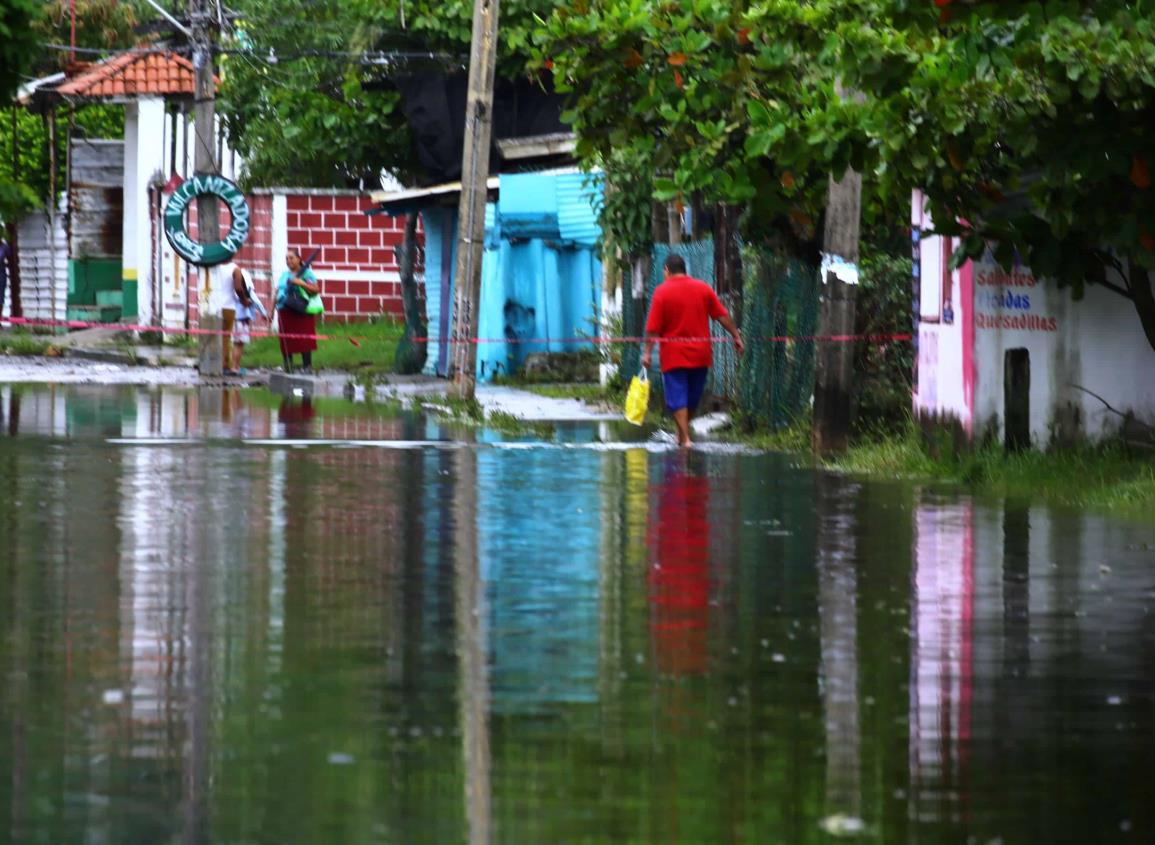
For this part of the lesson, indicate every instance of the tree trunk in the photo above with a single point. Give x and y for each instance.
(1144, 301)
(411, 353)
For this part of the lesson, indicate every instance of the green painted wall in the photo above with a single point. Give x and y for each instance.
(88, 275)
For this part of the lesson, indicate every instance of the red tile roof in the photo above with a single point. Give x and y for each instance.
(134, 74)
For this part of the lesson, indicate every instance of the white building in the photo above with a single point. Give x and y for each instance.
(1006, 355)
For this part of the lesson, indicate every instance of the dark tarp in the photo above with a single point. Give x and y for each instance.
(434, 104)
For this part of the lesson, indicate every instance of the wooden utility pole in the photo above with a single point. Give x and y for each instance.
(471, 210)
(211, 359)
(834, 363)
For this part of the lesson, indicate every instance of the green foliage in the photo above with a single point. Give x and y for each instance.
(16, 200)
(792, 437)
(506, 423)
(1030, 121)
(22, 343)
(883, 368)
(30, 167)
(318, 116)
(1105, 476)
(104, 24)
(18, 46)
(724, 101)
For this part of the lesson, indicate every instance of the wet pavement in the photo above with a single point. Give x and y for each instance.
(522, 404)
(232, 617)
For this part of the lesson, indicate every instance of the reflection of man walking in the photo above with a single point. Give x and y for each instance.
(680, 319)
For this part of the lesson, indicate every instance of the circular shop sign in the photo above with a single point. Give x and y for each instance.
(210, 254)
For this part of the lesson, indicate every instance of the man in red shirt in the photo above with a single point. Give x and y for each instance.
(680, 319)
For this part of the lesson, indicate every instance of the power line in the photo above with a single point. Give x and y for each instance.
(119, 51)
(363, 57)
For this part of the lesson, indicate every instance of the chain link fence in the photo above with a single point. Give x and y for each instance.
(780, 317)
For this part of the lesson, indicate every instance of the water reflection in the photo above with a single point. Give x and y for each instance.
(942, 662)
(226, 618)
(679, 575)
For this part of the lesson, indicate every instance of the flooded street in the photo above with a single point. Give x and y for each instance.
(231, 618)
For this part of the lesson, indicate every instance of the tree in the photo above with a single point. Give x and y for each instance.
(716, 99)
(1028, 120)
(18, 45)
(1028, 124)
(104, 24)
(23, 136)
(306, 90)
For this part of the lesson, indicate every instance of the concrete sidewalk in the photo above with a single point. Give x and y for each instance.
(116, 346)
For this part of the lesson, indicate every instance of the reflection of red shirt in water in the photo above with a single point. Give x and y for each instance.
(679, 576)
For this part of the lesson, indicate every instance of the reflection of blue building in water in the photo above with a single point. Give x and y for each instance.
(539, 540)
(541, 278)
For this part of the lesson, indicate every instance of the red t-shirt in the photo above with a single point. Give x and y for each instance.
(682, 307)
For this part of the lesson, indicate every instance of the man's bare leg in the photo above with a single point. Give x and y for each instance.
(682, 420)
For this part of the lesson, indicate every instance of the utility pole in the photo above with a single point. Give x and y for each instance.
(204, 162)
(471, 210)
(834, 363)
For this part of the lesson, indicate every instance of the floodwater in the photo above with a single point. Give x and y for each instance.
(228, 618)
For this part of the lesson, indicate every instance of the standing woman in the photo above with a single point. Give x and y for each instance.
(298, 331)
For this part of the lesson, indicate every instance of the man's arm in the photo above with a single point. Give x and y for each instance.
(648, 350)
(729, 325)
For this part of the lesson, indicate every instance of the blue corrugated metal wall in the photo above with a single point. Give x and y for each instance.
(540, 278)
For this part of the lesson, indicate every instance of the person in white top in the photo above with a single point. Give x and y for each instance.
(247, 305)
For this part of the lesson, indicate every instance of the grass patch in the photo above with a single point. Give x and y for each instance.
(452, 407)
(1106, 476)
(507, 423)
(22, 343)
(470, 412)
(372, 355)
(793, 438)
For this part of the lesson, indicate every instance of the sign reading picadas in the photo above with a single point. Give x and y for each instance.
(206, 254)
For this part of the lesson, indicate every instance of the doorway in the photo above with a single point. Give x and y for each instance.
(1017, 399)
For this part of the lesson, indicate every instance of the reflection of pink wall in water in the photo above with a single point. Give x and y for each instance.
(942, 660)
(966, 322)
(679, 574)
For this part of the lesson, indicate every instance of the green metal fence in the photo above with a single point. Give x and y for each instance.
(780, 299)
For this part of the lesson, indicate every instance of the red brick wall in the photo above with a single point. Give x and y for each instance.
(356, 250)
(255, 255)
(354, 247)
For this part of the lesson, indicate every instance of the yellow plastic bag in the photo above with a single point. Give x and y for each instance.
(638, 398)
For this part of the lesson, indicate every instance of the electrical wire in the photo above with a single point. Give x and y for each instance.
(364, 57)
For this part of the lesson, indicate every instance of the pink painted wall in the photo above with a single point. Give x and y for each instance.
(945, 384)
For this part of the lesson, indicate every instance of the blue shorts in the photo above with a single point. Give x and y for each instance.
(684, 387)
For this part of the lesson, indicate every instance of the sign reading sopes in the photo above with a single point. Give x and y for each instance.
(1011, 300)
(175, 228)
